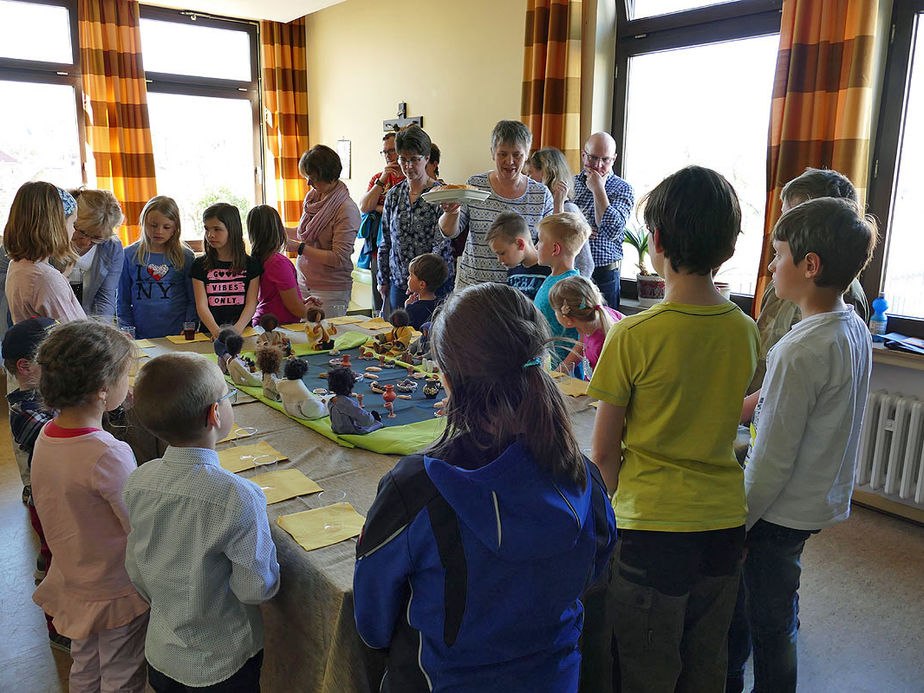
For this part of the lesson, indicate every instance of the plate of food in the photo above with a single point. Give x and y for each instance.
(461, 194)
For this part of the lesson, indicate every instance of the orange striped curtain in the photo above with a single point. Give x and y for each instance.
(822, 100)
(116, 105)
(551, 100)
(285, 114)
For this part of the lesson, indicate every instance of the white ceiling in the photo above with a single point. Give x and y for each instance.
(274, 10)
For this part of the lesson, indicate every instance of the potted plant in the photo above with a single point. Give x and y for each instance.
(650, 285)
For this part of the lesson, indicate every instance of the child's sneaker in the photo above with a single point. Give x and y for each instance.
(59, 642)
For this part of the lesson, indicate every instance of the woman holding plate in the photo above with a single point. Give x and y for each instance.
(409, 223)
(510, 190)
(327, 231)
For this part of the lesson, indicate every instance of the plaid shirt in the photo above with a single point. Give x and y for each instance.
(28, 416)
(606, 246)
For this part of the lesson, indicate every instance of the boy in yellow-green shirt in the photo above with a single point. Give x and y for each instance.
(670, 381)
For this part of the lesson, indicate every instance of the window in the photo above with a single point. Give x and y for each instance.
(204, 106)
(895, 198)
(40, 134)
(697, 90)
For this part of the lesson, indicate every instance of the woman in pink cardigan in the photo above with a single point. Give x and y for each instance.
(327, 232)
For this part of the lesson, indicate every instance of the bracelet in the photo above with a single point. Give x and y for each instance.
(301, 247)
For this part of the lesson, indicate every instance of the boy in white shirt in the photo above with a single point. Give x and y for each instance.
(799, 473)
(200, 550)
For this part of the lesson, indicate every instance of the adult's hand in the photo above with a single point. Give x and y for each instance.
(313, 301)
(391, 170)
(595, 181)
(383, 290)
(450, 207)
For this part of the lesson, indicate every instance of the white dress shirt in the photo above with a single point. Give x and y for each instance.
(200, 552)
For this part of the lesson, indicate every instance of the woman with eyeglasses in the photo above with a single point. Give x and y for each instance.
(410, 225)
(95, 276)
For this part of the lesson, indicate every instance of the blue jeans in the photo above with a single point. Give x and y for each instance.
(771, 574)
(607, 281)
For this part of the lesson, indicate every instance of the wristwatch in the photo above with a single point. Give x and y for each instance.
(378, 181)
(301, 247)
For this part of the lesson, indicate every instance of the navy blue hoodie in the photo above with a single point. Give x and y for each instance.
(473, 578)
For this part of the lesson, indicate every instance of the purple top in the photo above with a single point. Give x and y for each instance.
(278, 275)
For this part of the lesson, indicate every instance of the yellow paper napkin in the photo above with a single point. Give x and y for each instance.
(572, 386)
(144, 344)
(180, 339)
(240, 457)
(307, 527)
(375, 324)
(284, 484)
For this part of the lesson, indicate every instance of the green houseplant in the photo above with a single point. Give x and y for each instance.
(650, 285)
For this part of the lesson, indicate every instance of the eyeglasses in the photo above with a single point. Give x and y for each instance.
(93, 239)
(410, 159)
(605, 160)
(230, 395)
(388, 152)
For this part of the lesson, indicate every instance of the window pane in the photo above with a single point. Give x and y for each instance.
(203, 153)
(35, 32)
(709, 106)
(204, 51)
(650, 8)
(37, 143)
(904, 271)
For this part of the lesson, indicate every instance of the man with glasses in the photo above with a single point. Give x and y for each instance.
(373, 203)
(606, 201)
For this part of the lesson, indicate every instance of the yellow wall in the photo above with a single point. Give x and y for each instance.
(458, 64)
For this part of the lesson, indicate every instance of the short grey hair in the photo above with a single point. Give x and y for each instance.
(511, 132)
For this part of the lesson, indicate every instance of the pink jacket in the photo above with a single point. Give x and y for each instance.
(335, 272)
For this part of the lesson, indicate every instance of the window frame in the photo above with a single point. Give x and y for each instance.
(47, 72)
(887, 149)
(192, 85)
(685, 29)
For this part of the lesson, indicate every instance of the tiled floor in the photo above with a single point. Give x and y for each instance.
(862, 604)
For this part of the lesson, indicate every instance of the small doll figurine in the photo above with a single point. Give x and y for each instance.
(420, 347)
(296, 399)
(346, 413)
(269, 323)
(237, 367)
(269, 360)
(400, 337)
(317, 330)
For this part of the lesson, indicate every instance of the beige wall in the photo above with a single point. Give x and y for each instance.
(458, 64)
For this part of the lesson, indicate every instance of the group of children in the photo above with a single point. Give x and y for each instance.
(492, 561)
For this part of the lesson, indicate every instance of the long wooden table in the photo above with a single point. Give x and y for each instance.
(311, 643)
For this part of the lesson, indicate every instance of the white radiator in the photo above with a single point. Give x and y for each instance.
(891, 459)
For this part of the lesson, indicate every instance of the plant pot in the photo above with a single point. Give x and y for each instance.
(650, 289)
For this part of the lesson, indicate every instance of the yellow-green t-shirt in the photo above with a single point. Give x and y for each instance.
(681, 372)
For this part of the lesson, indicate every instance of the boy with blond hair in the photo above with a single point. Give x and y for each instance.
(561, 237)
(200, 550)
(509, 239)
(799, 469)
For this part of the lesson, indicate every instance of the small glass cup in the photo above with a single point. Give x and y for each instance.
(330, 498)
(245, 431)
(189, 331)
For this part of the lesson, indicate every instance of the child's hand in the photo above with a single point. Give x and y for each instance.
(559, 194)
(412, 298)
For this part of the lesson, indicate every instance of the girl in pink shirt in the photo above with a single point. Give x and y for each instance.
(38, 231)
(279, 292)
(577, 303)
(78, 473)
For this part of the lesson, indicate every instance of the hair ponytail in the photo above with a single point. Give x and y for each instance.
(498, 395)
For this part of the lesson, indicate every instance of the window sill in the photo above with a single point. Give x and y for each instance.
(900, 359)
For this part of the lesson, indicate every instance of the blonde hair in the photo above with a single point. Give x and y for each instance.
(173, 393)
(97, 211)
(174, 247)
(554, 168)
(37, 228)
(580, 300)
(568, 229)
